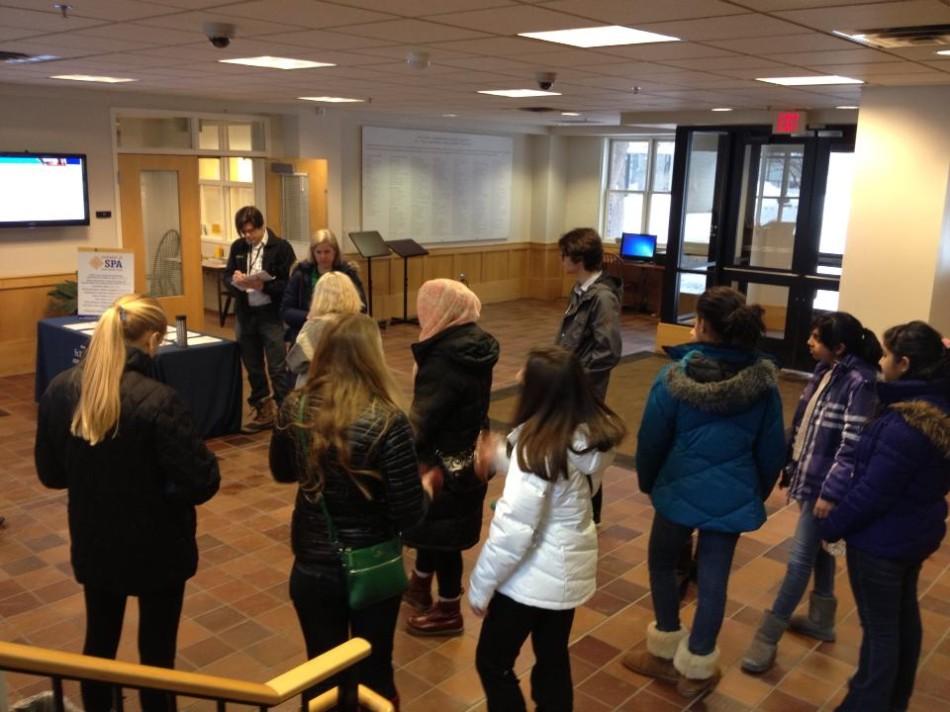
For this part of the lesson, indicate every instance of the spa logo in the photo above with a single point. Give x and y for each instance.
(109, 263)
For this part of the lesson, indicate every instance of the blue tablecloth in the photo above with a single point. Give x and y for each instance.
(206, 376)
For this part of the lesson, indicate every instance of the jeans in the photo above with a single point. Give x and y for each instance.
(507, 624)
(259, 333)
(886, 594)
(713, 557)
(807, 554)
(159, 614)
(320, 598)
(447, 567)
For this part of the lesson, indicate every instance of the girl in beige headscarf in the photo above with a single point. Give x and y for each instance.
(454, 361)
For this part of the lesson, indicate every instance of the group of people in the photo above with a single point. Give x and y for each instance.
(866, 462)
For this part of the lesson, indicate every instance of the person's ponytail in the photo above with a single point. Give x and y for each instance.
(127, 320)
(870, 350)
(733, 321)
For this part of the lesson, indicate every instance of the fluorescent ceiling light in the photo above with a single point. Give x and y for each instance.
(857, 37)
(944, 52)
(607, 36)
(332, 99)
(721, 108)
(847, 107)
(570, 113)
(449, 116)
(92, 78)
(809, 81)
(32, 59)
(276, 62)
(519, 93)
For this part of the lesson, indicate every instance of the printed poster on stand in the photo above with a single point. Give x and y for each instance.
(104, 275)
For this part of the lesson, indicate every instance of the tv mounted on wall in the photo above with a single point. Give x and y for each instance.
(43, 189)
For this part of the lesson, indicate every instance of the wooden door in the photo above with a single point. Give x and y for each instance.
(161, 223)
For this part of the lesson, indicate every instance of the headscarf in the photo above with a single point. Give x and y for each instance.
(443, 303)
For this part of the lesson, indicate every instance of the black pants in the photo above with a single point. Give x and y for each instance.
(159, 614)
(259, 334)
(447, 567)
(507, 625)
(319, 596)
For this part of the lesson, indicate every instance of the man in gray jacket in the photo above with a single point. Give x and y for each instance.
(591, 325)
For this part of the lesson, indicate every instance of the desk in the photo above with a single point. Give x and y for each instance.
(206, 376)
(643, 286)
(216, 267)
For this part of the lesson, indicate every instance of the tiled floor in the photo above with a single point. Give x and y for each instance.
(238, 621)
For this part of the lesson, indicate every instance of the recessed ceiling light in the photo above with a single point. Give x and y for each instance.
(854, 108)
(809, 81)
(276, 62)
(570, 113)
(721, 108)
(92, 78)
(944, 52)
(449, 116)
(519, 93)
(607, 36)
(30, 59)
(332, 99)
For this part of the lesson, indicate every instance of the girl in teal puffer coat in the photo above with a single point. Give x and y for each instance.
(709, 451)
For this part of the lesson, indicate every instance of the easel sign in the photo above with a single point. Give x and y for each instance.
(104, 275)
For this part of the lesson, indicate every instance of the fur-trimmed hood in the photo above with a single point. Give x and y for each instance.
(720, 386)
(930, 419)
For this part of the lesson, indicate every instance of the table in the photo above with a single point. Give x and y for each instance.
(206, 376)
(643, 286)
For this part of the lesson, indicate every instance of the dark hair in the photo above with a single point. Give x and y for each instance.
(248, 214)
(731, 319)
(922, 345)
(583, 244)
(556, 398)
(835, 329)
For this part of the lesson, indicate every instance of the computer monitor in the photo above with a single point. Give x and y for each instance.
(637, 247)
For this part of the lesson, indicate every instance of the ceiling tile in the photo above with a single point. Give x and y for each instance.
(415, 8)
(305, 13)
(512, 20)
(323, 39)
(736, 61)
(11, 17)
(132, 32)
(872, 15)
(774, 5)
(499, 46)
(912, 79)
(665, 50)
(624, 12)
(113, 10)
(794, 42)
(413, 31)
(723, 28)
(848, 56)
(193, 21)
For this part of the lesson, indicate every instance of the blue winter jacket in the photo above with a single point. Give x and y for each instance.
(711, 442)
(896, 507)
(832, 433)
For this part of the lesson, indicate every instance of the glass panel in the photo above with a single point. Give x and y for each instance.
(209, 135)
(624, 213)
(774, 300)
(239, 197)
(825, 300)
(660, 217)
(834, 216)
(246, 137)
(628, 165)
(688, 287)
(241, 170)
(214, 222)
(771, 240)
(169, 132)
(161, 228)
(663, 166)
(700, 192)
(209, 169)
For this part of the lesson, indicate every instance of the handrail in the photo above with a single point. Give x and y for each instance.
(56, 663)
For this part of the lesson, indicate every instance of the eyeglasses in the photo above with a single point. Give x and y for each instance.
(248, 232)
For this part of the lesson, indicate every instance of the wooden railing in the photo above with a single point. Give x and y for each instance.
(59, 666)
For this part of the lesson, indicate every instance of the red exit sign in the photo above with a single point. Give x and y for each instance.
(789, 122)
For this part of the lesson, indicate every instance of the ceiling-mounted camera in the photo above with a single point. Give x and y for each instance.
(545, 79)
(219, 33)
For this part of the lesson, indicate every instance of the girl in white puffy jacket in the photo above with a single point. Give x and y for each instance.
(540, 560)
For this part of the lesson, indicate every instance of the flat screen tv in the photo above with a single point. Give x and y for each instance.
(637, 247)
(43, 189)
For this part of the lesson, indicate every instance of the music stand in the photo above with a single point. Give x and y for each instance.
(406, 249)
(369, 244)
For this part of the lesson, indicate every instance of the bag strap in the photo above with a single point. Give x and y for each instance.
(331, 529)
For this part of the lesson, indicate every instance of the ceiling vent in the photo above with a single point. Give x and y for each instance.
(537, 109)
(899, 37)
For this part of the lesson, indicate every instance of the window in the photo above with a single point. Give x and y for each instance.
(226, 184)
(639, 183)
(780, 176)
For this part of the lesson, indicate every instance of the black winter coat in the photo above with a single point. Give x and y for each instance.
(449, 407)
(132, 497)
(299, 292)
(277, 259)
(396, 499)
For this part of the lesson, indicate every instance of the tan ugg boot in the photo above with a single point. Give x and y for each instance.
(698, 674)
(657, 660)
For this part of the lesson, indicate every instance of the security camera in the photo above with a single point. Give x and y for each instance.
(545, 79)
(219, 33)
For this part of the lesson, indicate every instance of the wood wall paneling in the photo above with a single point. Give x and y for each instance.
(23, 303)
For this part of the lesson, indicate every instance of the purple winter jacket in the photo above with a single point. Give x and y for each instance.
(896, 507)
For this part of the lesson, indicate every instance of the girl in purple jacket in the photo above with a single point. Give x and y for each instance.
(894, 515)
(833, 409)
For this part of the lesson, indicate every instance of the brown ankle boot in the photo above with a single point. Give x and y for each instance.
(443, 618)
(419, 593)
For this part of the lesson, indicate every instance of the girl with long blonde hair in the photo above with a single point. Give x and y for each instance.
(346, 443)
(125, 447)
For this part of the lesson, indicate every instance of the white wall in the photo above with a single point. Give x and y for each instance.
(897, 261)
(583, 171)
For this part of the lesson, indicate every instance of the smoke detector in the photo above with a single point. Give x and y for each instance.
(418, 59)
(900, 37)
